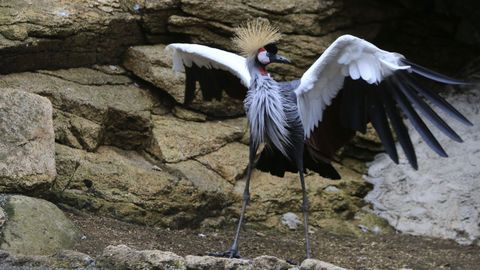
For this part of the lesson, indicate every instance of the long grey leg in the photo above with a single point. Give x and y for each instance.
(233, 251)
(299, 156)
(305, 214)
(246, 198)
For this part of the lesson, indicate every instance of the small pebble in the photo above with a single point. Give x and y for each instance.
(156, 168)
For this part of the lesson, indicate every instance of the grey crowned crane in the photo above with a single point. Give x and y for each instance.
(304, 122)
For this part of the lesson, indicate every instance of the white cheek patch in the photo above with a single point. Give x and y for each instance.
(263, 58)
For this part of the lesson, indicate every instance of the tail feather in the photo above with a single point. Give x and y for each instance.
(271, 160)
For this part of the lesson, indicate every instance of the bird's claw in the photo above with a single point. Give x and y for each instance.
(231, 253)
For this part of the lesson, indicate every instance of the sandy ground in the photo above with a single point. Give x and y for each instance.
(372, 252)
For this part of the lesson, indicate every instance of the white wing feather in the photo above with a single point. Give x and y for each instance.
(347, 56)
(204, 56)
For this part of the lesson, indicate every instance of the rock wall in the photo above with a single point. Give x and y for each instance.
(58, 34)
(153, 162)
(442, 198)
(55, 34)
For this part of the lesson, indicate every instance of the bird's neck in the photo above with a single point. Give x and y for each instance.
(256, 69)
(262, 70)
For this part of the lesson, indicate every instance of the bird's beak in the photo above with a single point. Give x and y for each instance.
(277, 58)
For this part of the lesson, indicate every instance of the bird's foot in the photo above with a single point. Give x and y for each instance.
(231, 253)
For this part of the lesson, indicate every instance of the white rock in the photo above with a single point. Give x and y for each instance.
(291, 220)
(332, 189)
(442, 198)
(312, 264)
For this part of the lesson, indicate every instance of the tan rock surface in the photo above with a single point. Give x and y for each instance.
(88, 76)
(56, 34)
(202, 178)
(90, 114)
(125, 185)
(76, 131)
(180, 140)
(229, 161)
(27, 155)
(123, 257)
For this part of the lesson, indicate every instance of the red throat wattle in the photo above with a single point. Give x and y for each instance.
(262, 69)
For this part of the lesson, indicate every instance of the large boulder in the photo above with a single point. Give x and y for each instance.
(27, 152)
(34, 226)
(442, 198)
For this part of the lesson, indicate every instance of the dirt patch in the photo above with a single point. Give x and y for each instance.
(370, 252)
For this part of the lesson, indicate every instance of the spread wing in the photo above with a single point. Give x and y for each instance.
(354, 83)
(215, 70)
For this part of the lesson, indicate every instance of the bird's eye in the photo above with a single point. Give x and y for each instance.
(271, 48)
(262, 57)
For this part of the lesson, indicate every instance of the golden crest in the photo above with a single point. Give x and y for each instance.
(254, 35)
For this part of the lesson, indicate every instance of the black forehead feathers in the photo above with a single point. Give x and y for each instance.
(271, 48)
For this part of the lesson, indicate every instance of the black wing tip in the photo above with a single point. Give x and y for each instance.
(462, 119)
(414, 166)
(432, 75)
(437, 148)
(437, 100)
(412, 159)
(413, 162)
(467, 122)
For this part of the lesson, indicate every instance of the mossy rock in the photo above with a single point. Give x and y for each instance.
(35, 227)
